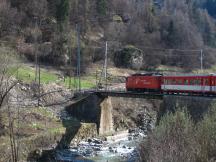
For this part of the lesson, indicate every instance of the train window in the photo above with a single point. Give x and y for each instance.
(169, 81)
(166, 81)
(205, 81)
(198, 81)
(186, 82)
(193, 82)
(179, 81)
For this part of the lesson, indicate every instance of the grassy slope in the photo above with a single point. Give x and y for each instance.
(27, 74)
(37, 127)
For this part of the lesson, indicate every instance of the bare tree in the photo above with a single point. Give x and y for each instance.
(8, 67)
(13, 141)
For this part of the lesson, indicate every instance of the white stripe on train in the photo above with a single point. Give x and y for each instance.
(188, 88)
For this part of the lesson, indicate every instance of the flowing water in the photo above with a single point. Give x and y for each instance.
(122, 149)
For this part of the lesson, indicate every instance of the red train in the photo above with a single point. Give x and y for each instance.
(197, 84)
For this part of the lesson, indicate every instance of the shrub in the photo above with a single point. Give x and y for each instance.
(172, 140)
(178, 139)
(206, 137)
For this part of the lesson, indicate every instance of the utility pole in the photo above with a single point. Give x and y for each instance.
(96, 84)
(36, 59)
(39, 75)
(39, 83)
(36, 49)
(78, 57)
(104, 69)
(70, 70)
(37, 64)
(105, 64)
(201, 60)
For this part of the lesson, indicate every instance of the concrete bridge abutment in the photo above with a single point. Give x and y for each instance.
(94, 109)
(106, 117)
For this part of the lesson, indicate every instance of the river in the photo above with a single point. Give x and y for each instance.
(122, 147)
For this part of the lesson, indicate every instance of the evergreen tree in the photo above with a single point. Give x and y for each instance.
(171, 37)
(62, 10)
(210, 5)
(102, 7)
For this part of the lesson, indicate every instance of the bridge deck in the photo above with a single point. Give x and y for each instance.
(127, 94)
(123, 94)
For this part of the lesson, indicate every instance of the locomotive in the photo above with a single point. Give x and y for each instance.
(158, 83)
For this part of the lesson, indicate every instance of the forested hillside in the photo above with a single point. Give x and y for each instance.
(48, 28)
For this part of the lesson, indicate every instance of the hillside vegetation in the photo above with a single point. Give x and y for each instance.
(179, 138)
(48, 28)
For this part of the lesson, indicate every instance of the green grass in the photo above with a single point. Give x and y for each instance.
(212, 69)
(27, 74)
(86, 82)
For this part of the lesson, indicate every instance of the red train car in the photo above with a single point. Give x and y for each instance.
(196, 84)
(213, 84)
(144, 83)
(186, 84)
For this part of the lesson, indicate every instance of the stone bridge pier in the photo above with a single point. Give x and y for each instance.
(106, 117)
(94, 109)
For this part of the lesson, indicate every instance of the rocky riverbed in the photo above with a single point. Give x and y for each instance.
(120, 147)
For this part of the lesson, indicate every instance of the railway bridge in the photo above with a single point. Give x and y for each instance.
(130, 94)
(95, 106)
(101, 107)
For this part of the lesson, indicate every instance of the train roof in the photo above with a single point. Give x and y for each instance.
(147, 74)
(173, 75)
(189, 75)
